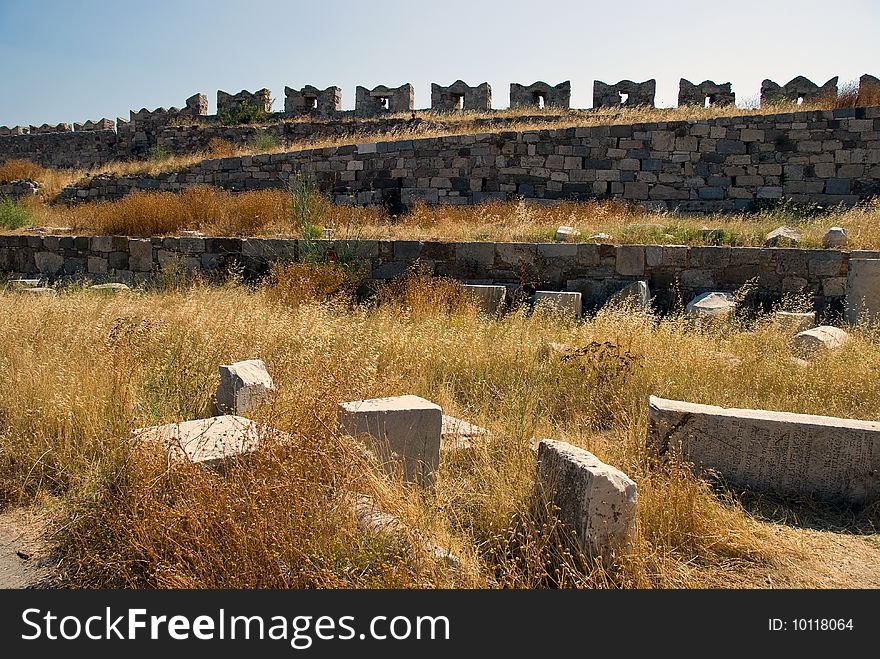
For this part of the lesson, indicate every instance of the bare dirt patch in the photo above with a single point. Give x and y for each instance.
(25, 557)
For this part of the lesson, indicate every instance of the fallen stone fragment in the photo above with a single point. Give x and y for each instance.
(825, 337)
(405, 432)
(460, 434)
(714, 304)
(595, 500)
(601, 237)
(637, 295)
(110, 288)
(243, 385)
(372, 519)
(211, 442)
(21, 284)
(802, 454)
(564, 233)
(782, 236)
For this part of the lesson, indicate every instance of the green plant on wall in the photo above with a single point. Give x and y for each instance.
(158, 153)
(264, 141)
(13, 214)
(243, 113)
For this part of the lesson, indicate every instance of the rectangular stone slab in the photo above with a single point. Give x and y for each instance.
(406, 430)
(567, 303)
(863, 291)
(210, 442)
(595, 500)
(489, 299)
(829, 458)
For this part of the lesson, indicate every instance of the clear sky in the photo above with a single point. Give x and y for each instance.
(85, 59)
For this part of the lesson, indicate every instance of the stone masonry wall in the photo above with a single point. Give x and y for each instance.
(674, 273)
(826, 157)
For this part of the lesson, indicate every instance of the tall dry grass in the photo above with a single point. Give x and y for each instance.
(52, 180)
(82, 370)
(268, 213)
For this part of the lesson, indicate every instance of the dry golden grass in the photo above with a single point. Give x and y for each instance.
(268, 213)
(52, 180)
(83, 369)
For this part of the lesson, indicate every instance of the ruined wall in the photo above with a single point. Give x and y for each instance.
(311, 100)
(555, 96)
(732, 163)
(799, 88)
(460, 96)
(596, 270)
(717, 95)
(382, 99)
(20, 189)
(639, 94)
(261, 99)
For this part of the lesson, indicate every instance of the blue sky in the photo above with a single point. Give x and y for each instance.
(72, 61)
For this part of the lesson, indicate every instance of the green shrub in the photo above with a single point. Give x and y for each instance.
(13, 214)
(265, 141)
(244, 113)
(158, 154)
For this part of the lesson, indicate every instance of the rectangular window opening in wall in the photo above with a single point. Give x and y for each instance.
(539, 100)
(623, 98)
(710, 101)
(311, 102)
(384, 102)
(800, 100)
(458, 101)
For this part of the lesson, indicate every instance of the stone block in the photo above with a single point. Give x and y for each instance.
(243, 385)
(565, 303)
(460, 434)
(405, 432)
(631, 260)
(830, 458)
(636, 295)
(140, 255)
(834, 237)
(824, 337)
(488, 299)
(595, 501)
(564, 233)
(211, 442)
(863, 291)
(714, 304)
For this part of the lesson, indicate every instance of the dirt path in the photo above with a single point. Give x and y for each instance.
(24, 551)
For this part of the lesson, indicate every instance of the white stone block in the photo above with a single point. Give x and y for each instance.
(595, 500)
(564, 233)
(211, 442)
(830, 458)
(43, 291)
(565, 303)
(458, 433)
(823, 337)
(243, 385)
(863, 291)
(489, 299)
(714, 304)
(109, 288)
(637, 294)
(405, 431)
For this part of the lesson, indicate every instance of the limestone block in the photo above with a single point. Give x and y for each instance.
(242, 386)
(211, 442)
(564, 233)
(823, 337)
(489, 299)
(830, 458)
(594, 500)
(140, 255)
(21, 284)
(631, 260)
(637, 295)
(406, 433)
(782, 236)
(566, 303)
(109, 288)
(792, 322)
(835, 237)
(458, 433)
(863, 291)
(714, 304)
